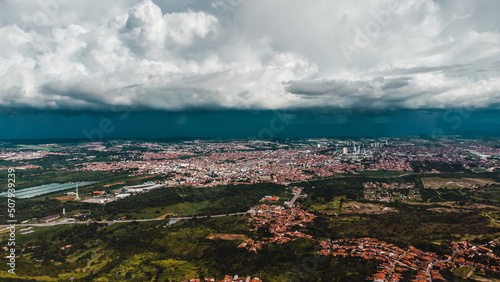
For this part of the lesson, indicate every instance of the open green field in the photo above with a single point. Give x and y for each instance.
(333, 206)
(181, 209)
(37, 147)
(486, 196)
(456, 183)
(39, 232)
(463, 272)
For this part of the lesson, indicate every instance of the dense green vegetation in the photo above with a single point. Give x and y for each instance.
(417, 227)
(145, 251)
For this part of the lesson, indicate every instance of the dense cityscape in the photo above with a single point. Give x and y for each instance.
(255, 196)
(209, 163)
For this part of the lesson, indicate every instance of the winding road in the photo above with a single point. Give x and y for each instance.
(54, 223)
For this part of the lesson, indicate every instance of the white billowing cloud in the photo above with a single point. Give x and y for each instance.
(147, 27)
(249, 55)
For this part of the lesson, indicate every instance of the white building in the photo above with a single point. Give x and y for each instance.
(121, 196)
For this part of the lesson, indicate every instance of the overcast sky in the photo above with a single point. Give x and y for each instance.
(231, 54)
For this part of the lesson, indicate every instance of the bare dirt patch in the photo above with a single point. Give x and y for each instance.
(227, 236)
(108, 185)
(64, 198)
(446, 210)
(165, 215)
(365, 208)
(481, 206)
(454, 207)
(147, 176)
(142, 177)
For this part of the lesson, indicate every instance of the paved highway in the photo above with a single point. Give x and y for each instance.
(53, 223)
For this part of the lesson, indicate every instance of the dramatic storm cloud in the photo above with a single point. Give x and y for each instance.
(178, 55)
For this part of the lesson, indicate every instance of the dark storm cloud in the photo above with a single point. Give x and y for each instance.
(343, 87)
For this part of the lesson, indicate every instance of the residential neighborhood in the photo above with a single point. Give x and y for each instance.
(395, 261)
(279, 221)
